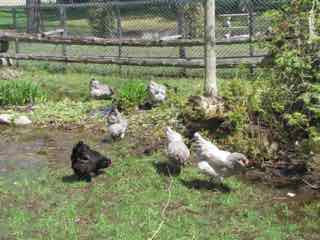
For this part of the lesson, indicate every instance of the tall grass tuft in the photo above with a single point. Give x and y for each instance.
(20, 93)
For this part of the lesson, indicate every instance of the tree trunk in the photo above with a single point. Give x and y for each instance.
(33, 16)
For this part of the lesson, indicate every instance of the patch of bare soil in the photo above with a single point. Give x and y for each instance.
(288, 176)
(7, 73)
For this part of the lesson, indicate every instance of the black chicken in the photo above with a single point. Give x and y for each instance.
(85, 161)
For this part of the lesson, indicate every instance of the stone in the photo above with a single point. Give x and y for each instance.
(22, 120)
(5, 118)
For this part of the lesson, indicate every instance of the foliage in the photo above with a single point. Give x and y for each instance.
(16, 92)
(102, 21)
(290, 100)
(131, 94)
(195, 15)
(57, 114)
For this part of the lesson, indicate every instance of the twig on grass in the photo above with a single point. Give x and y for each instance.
(310, 185)
(163, 210)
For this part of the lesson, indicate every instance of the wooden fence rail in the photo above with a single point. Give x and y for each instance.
(68, 40)
(193, 63)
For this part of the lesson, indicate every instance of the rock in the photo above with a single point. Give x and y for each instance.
(99, 90)
(5, 118)
(205, 113)
(22, 120)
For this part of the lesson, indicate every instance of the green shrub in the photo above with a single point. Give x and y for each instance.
(290, 101)
(20, 93)
(102, 21)
(131, 94)
(194, 16)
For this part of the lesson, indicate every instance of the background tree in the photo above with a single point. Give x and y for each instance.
(33, 16)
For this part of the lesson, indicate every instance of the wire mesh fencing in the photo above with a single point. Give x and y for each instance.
(138, 19)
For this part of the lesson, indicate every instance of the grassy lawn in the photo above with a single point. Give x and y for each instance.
(131, 199)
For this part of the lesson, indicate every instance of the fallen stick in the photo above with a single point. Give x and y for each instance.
(163, 211)
(310, 185)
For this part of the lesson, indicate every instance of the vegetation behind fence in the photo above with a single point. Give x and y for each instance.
(148, 20)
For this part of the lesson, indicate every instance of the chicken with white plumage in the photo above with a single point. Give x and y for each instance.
(216, 163)
(157, 92)
(99, 90)
(117, 124)
(178, 152)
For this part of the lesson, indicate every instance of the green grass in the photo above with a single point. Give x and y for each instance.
(126, 202)
(20, 93)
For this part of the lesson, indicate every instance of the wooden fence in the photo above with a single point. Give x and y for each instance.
(209, 43)
(46, 38)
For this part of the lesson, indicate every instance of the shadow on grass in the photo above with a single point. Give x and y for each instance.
(166, 169)
(108, 140)
(205, 185)
(74, 178)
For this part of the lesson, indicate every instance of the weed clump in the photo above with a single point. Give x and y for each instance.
(131, 95)
(20, 93)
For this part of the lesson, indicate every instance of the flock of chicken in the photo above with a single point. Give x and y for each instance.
(212, 161)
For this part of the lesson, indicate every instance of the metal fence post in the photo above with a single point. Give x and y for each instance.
(63, 18)
(181, 31)
(251, 31)
(119, 33)
(14, 18)
(210, 85)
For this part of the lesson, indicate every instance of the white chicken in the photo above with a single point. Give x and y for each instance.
(157, 92)
(117, 124)
(178, 152)
(99, 90)
(216, 163)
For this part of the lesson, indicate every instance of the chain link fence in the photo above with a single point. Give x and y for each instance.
(138, 19)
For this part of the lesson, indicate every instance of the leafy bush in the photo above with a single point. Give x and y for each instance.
(195, 16)
(290, 101)
(20, 93)
(102, 21)
(131, 94)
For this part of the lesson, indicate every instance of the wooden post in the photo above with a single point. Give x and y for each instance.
(63, 17)
(251, 31)
(210, 85)
(119, 32)
(181, 27)
(14, 18)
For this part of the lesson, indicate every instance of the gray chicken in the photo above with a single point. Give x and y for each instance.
(157, 92)
(99, 90)
(178, 152)
(117, 124)
(216, 163)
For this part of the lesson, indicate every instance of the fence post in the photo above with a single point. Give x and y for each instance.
(181, 31)
(119, 33)
(63, 17)
(210, 85)
(14, 18)
(251, 31)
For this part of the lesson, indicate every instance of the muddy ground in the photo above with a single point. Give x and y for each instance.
(36, 147)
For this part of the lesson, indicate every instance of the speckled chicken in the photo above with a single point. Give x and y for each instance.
(217, 163)
(178, 152)
(157, 92)
(99, 90)
(85, 162)
(117, 124)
